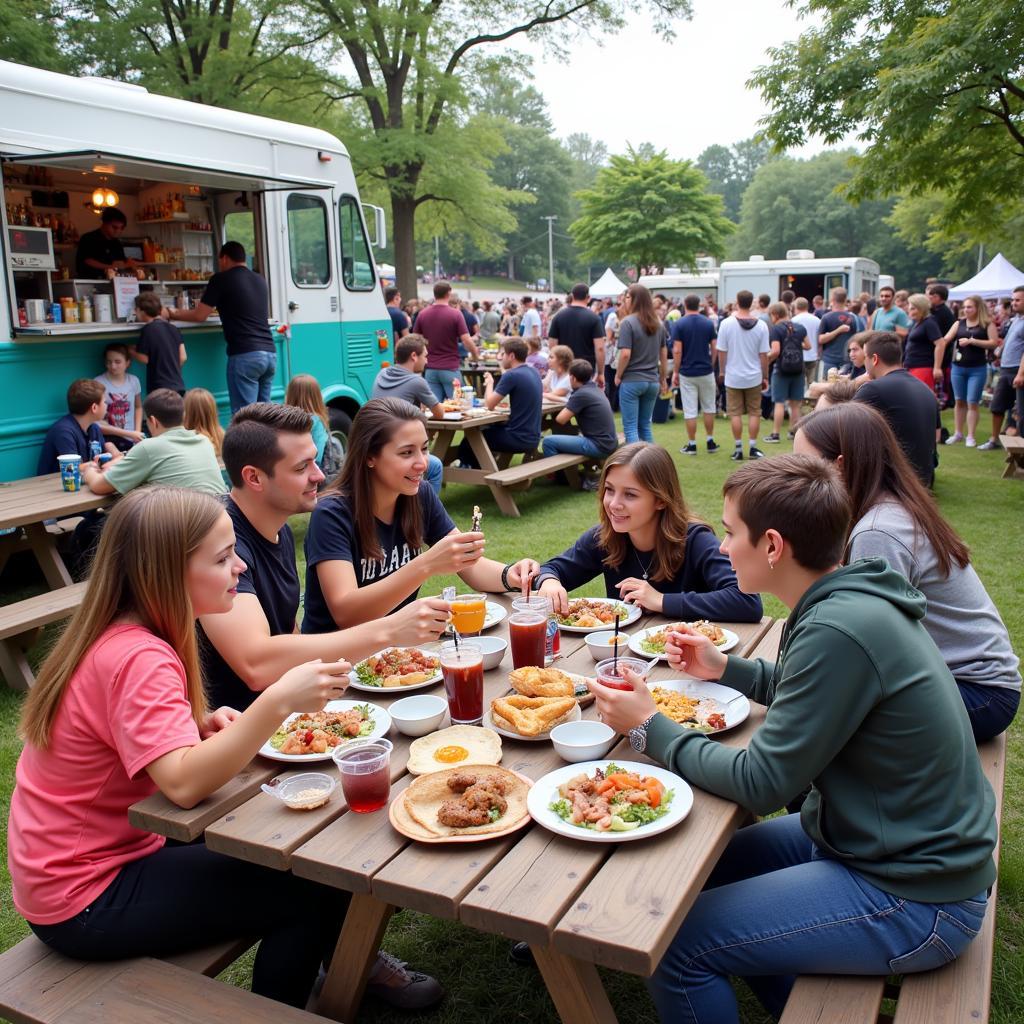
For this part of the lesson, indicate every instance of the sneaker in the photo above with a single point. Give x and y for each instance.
(954, 438)
(970, 443)
(712, 447)
(756, 453)
(521, 954)
(737, 455)
(402, 989)
(690, 449)
(791, 435)
(772, 439)
(991, 445)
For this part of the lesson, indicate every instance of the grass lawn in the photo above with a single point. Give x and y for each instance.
(483, 986)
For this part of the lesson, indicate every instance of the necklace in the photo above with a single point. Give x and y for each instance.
(645, 569)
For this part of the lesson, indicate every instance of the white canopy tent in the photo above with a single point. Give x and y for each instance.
(607, 286)
(996, 281)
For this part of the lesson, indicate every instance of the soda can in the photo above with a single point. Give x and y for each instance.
(56, 314)
(95, 449)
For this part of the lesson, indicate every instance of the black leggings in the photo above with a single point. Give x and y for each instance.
(186, 897)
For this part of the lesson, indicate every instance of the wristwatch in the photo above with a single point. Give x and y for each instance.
(638, 735)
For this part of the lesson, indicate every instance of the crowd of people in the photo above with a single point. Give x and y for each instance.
(188, 649)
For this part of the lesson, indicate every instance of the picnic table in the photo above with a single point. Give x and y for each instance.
(578, 905)
(472, 372)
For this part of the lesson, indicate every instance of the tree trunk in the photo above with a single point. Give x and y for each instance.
(511, 267)
(403, 223)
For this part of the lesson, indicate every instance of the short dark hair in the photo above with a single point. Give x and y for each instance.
(149, 303)
(692, 303)
(580, 292)
(113, 216)
(517, 348)
(119, 347)
(886, 346)
(527, 300)
(251, 437)
(1019, 288)
(83, 394)
(390, 293)
(167, 407)
(886, 288)
(409, 346)
(744, 299)
(581, 370)
(800, 496)
(938, 289)
(788, 296)
(764, 299)
(442, 289)
(233, 251)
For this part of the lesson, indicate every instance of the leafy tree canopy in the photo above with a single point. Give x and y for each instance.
(730, 169)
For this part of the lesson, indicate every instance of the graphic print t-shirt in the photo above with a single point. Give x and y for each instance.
(332, 537)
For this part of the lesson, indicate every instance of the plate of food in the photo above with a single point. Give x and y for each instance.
(589, 613)
(650, 642)
(396, 668)
(707, 707)
(609, 801)
(549, 682)
(530, 718)
(449, 748)
(467, 804)
(313, 736)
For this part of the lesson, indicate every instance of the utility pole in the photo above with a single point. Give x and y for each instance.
(551, 252)
(437, 258)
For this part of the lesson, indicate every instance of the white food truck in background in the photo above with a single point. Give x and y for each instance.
(801, 273)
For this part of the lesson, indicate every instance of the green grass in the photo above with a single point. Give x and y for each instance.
(474, 967)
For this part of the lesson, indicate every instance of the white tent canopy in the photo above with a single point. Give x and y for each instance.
(607, 287)
(996, 281)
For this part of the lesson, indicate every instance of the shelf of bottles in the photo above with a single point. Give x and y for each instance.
(178, 242)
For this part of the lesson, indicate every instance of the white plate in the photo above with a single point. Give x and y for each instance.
(731, 640)
(574, 716)
(381, 726)
(545, 792)
(355, 684)
(735, 714)
(634, 612)
(494, 614)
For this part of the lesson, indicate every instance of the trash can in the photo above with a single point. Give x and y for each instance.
(662, 408)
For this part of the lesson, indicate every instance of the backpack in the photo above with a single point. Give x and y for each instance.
(791, 353)
(333, 457)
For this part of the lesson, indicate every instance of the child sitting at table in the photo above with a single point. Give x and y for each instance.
(160, 347)
(587, 402)
(556, 382)
(201, 416)
(122, 424)
(364, 543)
(74, 433)
(652, 551)
(887, 868)
(537, 358)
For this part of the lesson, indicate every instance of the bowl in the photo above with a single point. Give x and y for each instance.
(493, 648)
(303, 792)
(419, 714)
(600, 647)
(583, 741)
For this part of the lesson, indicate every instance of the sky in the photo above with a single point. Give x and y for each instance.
(637, 88)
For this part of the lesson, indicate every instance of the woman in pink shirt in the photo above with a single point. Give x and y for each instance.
(117, 713)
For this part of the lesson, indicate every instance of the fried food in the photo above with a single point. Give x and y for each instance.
(478, 804)
(530, 716)
(541, 682)
(398, 666)
(589, 614)
(492, 799)
(711, 630)
(409, 679)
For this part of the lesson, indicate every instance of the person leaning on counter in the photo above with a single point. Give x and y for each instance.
(100, 253)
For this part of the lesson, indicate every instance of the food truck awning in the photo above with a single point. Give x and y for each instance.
(92, 161)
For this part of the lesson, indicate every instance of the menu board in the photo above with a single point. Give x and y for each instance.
(125, 291)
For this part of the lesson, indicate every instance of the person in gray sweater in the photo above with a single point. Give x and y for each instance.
(896, 518)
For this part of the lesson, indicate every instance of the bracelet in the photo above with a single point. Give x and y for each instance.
(504, 579)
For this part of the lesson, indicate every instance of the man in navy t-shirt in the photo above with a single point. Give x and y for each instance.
(73, 433)
(693, 355)
(838, 325)
(399, 321)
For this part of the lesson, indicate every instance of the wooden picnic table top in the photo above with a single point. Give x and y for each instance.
(616, 905)
(38, 498)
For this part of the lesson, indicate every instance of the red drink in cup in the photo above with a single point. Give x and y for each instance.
(609, 672)
(463, 669)
(528, 635)
(365, 774)
(539, 603)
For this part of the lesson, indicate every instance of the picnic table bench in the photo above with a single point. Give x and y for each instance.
(1014, 448)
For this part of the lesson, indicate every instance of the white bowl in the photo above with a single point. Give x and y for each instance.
(419, 714)
(597, 644)
(583, 741)
(493, 648)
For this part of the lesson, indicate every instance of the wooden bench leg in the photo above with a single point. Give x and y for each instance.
(44, 547)
(574, 986)
(14, 665)
(354, 957)
(1013, 463)
(504, 500)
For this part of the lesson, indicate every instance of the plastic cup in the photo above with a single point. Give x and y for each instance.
(609, 672)
(469, 611)
(539, 603)
(70, 472)
(365, 774)
(527, 635)
(462, 666)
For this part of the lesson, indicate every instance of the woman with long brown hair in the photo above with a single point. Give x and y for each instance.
(118, 713)
(895, 517)
(972, 336)
(364, 547)
(642, 369)
(652, 551)
(201, 416)
(304, 393)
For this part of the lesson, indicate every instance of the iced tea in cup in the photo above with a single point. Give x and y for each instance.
(542, 604)
(365, 774)
(527, 635)
(609, 672)
(468, 613)
(462, 666)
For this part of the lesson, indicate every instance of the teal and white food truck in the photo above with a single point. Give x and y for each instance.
(188, 177)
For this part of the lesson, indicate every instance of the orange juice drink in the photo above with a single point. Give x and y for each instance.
(468, 613)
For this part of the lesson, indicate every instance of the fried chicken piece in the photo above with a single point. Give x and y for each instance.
(461, 781)
(485, 797)
(474, 806)
(455, 814)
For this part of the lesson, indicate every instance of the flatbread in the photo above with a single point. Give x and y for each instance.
(482, 746)
(423, 799)
(531, 716)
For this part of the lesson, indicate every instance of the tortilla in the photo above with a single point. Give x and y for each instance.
(425, 795)
(482, 746)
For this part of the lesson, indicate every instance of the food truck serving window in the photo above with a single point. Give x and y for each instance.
(356, 261)
(308, 244)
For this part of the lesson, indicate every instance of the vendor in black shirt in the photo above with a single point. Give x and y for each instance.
(100, 253)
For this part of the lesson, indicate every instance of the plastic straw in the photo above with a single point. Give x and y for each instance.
(615, 647)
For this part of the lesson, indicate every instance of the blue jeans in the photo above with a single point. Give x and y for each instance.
(991, 709)
(435, 473)
(249, 378)
(776, 907)
(442, 382)
(574, 444)
(968, 383)
(636, 402)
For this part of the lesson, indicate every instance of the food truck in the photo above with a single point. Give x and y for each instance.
(801, 273)
(187, 177)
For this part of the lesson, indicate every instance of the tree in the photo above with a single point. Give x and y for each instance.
(27, 34)
(933, 90)
(649, 213)
(730, 170)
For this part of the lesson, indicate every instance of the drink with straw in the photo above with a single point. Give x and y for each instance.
(527, 635)
(462, 665)
(538, 603)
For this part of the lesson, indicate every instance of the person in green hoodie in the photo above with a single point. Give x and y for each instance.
(887, 868)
